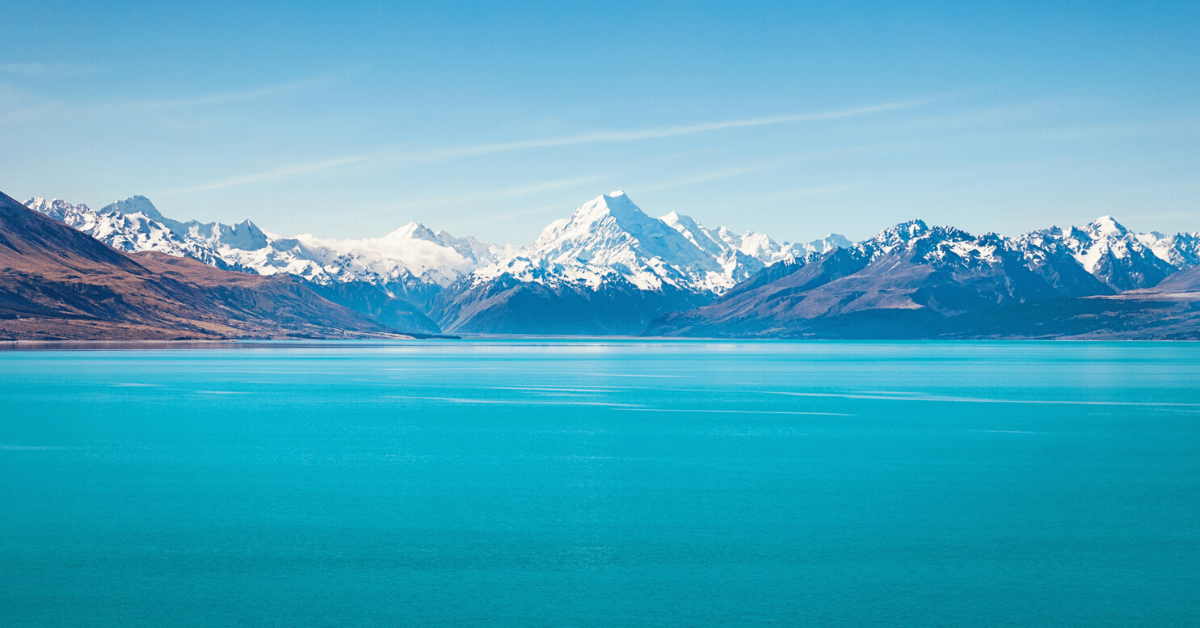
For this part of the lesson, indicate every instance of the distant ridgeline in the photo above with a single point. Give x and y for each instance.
(611, 269)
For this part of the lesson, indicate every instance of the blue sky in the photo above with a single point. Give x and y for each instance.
(793, 119)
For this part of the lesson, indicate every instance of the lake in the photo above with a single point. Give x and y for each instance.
(602, 483)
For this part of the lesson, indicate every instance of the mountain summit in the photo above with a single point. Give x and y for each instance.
(612, 234)
(607, 268)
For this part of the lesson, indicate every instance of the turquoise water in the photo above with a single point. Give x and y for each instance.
(602, 484)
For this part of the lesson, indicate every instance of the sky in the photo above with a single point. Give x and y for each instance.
(792, 119)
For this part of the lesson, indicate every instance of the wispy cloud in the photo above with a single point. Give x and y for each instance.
(226, 97)
(544, 209)
(44, 108)
(264, 177)
(459, 199)
(782, 161)
(815, 190)
(661, 132)
(49, 69)
(706, 177)
(404, 205)
(480, 150)
(1172, 127)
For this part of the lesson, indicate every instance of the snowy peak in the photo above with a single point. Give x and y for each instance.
(1107, 226)
(942, 247)
(912, 235)
(904, 232)
(612, 210)
(1181, 250)
(694, 232)
(621, 208)
(1106, 250)
(133, 205)
(610, 236)
(758, 246)
(612, 229)
(58, 209)
(413, 231)
(826, 244)
(1105, 247)
(244, 235)
(897, 237)
(472, 252)
(1104, 228)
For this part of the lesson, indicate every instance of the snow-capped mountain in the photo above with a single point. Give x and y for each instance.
(1181, 250)
(1000, 269)
(59, 210)
(611, 268)
(723, 243)
(611, 235)
(1104, 250)
(132, 225)
(410, 264)
(910, 276)
(412, 251)
(606, 247)
(1117, 257)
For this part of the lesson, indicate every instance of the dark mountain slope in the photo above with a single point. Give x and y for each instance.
(374, 302)
(507, 305)
(1128, 316)
(1182, 281)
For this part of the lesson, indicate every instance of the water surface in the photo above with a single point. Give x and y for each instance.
(596, 483)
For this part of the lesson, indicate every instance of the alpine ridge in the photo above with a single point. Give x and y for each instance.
(914, 281)
(610, 268)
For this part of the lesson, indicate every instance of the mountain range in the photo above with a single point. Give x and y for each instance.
(916, 281)
(609, 268)
(58, 283)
